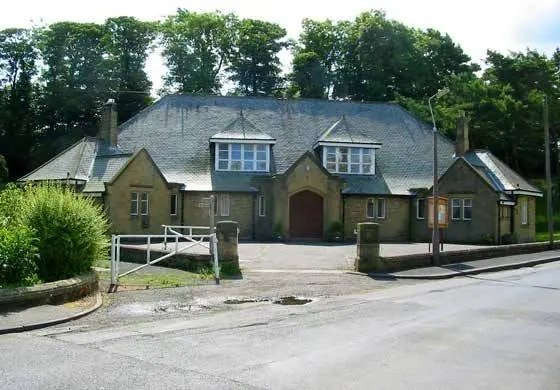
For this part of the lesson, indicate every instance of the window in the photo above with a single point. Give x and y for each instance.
(380, 208)
(370, 212)
(461, 209)
(524, 211)
(420, 208)
(455, 209)
(262, 206)
(242, 157)
(221, 205)
(343, 159)
(134, 203)
(173, 205)
(467, 209)
(505, 212)
(144, 206)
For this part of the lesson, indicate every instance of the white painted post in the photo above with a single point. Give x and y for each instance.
(164, 237)
(118, 258)
(148, 251)
(113, 279)
(214, 240)
(176, 243)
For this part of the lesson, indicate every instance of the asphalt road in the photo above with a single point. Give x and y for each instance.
(492, 331)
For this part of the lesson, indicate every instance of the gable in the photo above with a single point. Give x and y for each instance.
(140, 171)
(462, 178)
(307, 173)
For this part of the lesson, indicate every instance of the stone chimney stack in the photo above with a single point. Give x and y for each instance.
(462, 138)
(108, 127)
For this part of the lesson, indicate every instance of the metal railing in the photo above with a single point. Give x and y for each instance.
(170, 232)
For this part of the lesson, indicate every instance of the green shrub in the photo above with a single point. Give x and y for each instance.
(510, 238)
(70, 230)
(18, 255)
(335, 232)
(11, 204)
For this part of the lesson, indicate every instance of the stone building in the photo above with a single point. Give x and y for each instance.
(301, 169)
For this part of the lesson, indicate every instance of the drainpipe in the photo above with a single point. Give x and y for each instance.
(182, 208)
(343, 220)
(254, 216)
(499, 222)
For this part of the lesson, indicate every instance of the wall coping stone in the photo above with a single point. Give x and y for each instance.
(59, 291)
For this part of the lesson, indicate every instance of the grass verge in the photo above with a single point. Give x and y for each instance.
(543, 236)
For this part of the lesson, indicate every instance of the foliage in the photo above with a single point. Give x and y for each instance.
(3, 169)
(336, 231)
(278, 232)
(254, 61)
(11, 205)
(127, 41)
(70, 230)
(510, 238)
(18, 255)
(196, 49)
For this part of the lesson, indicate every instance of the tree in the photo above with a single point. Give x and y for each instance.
(17, 98)
(127, 41)
(319, 49)
(308, 75)
(255, 65)
(3, 170)
(196, 47)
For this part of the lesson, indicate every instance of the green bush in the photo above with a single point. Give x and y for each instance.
(11, 204)
(18, 256)
(335, 232)
(70, 230)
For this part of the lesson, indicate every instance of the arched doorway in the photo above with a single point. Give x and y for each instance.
(306, 215)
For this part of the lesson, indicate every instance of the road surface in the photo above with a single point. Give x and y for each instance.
(492, 331)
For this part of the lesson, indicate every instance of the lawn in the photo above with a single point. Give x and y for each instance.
(543, 236)
(159, 277)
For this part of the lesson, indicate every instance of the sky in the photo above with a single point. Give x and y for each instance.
(476, 25)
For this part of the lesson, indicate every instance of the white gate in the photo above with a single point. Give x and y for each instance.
(170, 234)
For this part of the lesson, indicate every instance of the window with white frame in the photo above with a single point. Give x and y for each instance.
(342, 159)
(524, 212)
(242, 157)
(455, 209)
(134, 203)
(370, 208)
(173, 205)
(144, 204)
(221, 205)
(461, 209)
(262, 206)
(467, 209)
(380, 208)
(420, 208)
(375, 208)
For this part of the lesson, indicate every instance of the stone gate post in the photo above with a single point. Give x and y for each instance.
(368, 247)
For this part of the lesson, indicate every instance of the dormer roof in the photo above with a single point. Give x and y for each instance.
(342, 132)
(242, 130)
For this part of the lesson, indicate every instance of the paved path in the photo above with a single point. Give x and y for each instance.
(258, 256)
(497, 331)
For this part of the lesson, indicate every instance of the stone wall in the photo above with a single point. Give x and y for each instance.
(394, 227)
(241, 211)
(525, 233)
(140, 175)
(462, 182)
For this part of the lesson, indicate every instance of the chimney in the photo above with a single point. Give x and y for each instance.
(462, 137)
(108, 127)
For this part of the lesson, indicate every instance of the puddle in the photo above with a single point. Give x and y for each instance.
(143, 309)
(236, 301)
(292, 301)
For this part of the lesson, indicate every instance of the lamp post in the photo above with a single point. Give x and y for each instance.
(435, 225)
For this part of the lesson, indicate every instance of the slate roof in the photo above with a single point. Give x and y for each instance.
(343, 132)
(500, 177)
(177, 131)
(89, 160)
(242, 129)
(73, 163)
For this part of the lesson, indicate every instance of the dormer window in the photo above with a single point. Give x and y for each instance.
(347, 159)
(245, 157)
